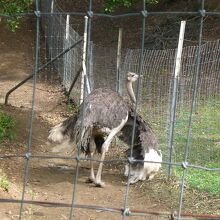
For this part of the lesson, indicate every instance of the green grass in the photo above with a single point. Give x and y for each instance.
(203, 147)
(205, 133)
(4, 182)
(7, 125)
(72, 107)
(207, 181)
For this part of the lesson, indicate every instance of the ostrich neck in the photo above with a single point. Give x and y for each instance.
(131, 92)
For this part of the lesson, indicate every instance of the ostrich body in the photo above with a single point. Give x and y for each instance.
(103, 115)
(145, 148)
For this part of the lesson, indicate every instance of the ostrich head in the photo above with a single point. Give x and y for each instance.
(132, 77)
(145, 170)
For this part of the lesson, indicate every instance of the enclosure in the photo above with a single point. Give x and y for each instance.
(64, 50)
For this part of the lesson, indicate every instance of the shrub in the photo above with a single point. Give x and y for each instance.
(4, 182)
(6, 126)
(11, 7)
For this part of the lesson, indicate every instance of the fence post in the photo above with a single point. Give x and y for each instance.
(174, 94)
(66, 44)
(84, 78)
(51, 26)
(67, 27)
(91, 73)
(118, 86)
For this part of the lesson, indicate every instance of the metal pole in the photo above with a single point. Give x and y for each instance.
(40, 68)
(118, 87)
(74, 81)
(30, 136)
(140, 69)
(193, 103)
(175, 89)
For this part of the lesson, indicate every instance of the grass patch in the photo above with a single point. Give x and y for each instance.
(7, 125)
(205, 133)
(207, 181)
(202, 180)
(72, 107)
(4, 182)
(203, 147)
(163, 191)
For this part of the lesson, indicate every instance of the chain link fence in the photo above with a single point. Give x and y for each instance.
(157, 84)
(157, 76)
(59, 35)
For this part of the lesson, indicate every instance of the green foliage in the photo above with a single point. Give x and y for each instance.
(4, 182)
(6, 126)
(72, 107)
(10, 7)
(111, 5)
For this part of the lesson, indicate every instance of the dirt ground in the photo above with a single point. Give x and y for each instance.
(49, 179)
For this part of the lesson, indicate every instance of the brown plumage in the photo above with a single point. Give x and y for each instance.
(102, 116)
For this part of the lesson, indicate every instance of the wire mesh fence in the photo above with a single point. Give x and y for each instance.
(155, 90)
(158, 68)
(157, 83)
(59, 35)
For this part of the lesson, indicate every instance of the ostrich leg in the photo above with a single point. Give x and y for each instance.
(91, 179)
(105, 147)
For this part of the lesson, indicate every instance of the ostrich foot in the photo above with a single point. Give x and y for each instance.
(99, 184)
(151, 176)
(133, 180)
(90, 180)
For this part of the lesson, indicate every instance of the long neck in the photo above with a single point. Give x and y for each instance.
(131, 92)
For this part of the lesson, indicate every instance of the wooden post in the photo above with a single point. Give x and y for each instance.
(52, 6)
(50, 30)
(67, 27)
(91, 74)
(174, 94)
(118, 86)
(84, 62)
(66, 44)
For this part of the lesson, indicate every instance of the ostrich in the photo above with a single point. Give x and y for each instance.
(131, 78)
(103, 115)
